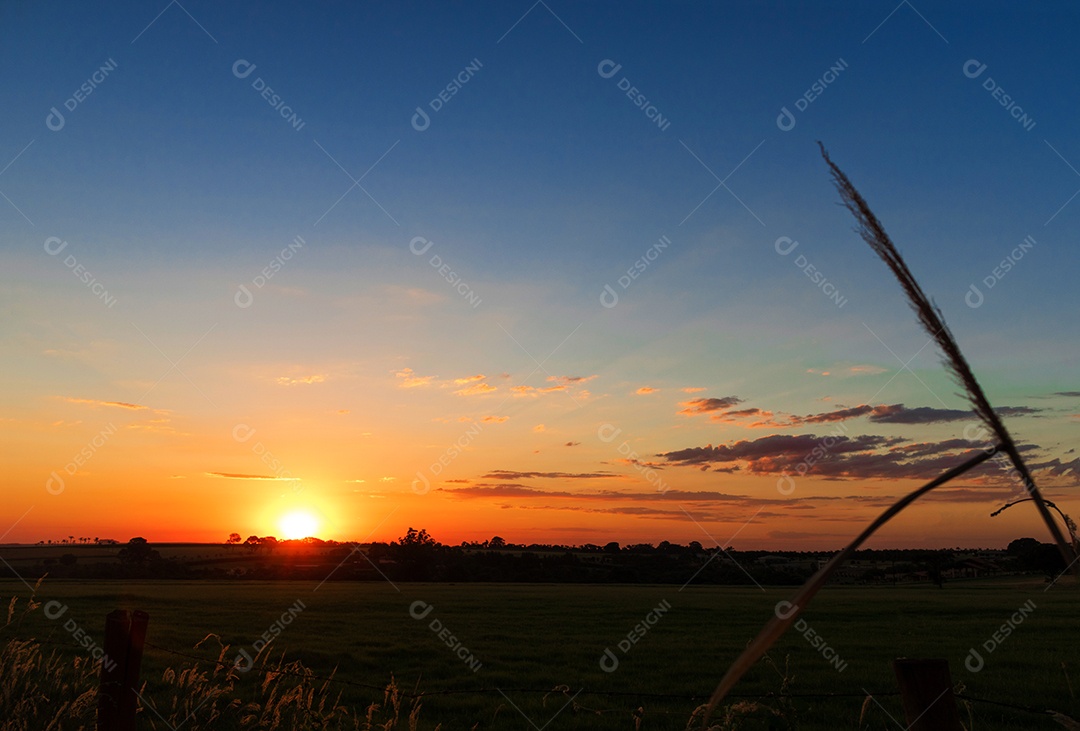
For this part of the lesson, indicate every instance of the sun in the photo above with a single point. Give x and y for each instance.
(298, 524)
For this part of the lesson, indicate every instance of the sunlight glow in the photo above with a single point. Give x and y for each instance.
(298, 524)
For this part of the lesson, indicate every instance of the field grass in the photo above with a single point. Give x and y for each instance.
(543, 637)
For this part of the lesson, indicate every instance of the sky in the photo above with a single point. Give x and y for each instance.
(561, 272)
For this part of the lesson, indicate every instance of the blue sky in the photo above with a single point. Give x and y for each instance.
(539, 181)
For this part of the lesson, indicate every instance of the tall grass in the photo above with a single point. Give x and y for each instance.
(933, 322)
(45, 689)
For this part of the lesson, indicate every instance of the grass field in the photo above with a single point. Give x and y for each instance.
(542, 637)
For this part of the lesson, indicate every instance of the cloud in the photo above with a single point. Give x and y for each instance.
(731, 417)
(162, 426)
(1068, 394)
(475, 388)
(114, 404)
(899, 414)
(867, 370)
(844, 457)
(504, 490)
(495, 419)
(534, 392)
(469, 379)
(847, 371)
(514, 475)
(638, 462)
(302, 380)
(882, 414)
(646, 390)
(572, 444)
(570, 380)
(708, 405)
(539, 428)
(410, 380)
(692, 389)
(243, 476)
(1016, 410)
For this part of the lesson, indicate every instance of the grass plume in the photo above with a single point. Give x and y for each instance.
(930, 317)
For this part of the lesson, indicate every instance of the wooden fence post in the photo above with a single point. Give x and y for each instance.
(926, 691)
(125, 633)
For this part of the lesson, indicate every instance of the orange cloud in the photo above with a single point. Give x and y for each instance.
(115, 404)
(645, 390)
(692, 389)
(495, 419)
(708, 405)
(410, 380)
(302, 380)
(477, 387)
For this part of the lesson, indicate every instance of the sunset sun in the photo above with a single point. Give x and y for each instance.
(298, 524)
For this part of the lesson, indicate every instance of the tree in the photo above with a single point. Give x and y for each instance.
(415, 537)
(252, 542)
(138, 552)
(234, 538)
(497, 543)
(415, 552)
(1021, 546)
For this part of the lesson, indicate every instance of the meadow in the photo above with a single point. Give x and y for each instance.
(513, 655)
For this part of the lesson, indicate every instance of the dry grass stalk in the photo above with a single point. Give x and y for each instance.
(933, 322)
(930, 317)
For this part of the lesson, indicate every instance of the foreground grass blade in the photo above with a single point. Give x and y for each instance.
(779, 623)
(930, 317)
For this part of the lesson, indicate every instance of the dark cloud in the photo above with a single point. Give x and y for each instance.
(708, 405)
(1016, 410)
(832, 457)
(772, 447)
(891, 414)
(833, 416)
(1068, 394)
(503, 490)
(513, 475)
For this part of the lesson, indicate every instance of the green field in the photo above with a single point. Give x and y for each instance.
(529, 638)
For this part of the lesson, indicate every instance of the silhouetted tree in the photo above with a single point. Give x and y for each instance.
(138, 552)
